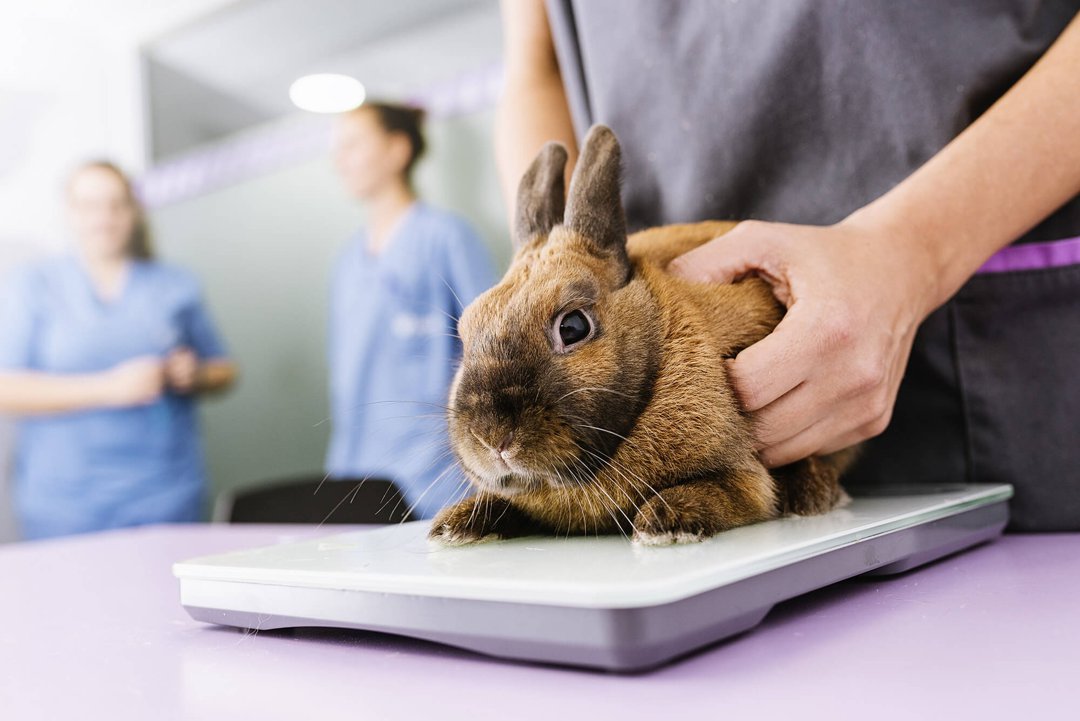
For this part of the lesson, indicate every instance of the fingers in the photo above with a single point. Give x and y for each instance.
(827, 376)
(811, 393)
(820, 439)
(700, 266)
(181, 358)
(802, 445)
(723, 259)
(182, 353)
(778, 363)
(773, 366)
(819, 418)
(181, 369)
(181, 365)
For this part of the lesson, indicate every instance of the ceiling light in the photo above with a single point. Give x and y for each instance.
(327, 93)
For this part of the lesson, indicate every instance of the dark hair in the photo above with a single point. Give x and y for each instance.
(405, 119)
(139, 245)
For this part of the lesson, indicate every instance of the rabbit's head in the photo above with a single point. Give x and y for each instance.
(561, 356)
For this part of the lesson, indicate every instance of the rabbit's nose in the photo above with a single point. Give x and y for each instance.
(503, 447)
(501, 451)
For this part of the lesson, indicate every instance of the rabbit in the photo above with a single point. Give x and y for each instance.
(592, 396)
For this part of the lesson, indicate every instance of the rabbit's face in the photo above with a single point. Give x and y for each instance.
(559, 360)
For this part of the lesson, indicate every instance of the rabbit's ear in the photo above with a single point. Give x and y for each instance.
(541, 195)
(594, 206)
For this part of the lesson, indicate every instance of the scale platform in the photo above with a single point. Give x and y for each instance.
(596, 602)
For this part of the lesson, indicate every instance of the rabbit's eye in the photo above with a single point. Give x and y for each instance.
(573, 328)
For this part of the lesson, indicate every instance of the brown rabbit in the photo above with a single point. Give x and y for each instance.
(592, 396)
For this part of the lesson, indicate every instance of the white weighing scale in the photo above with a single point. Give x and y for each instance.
(584, 601)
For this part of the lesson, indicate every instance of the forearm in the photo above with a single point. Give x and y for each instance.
(533, 107)
(528, 116)
(34, 393)
(1004, 174)
(215, 376)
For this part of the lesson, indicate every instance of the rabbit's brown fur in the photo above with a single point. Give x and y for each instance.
(637, 429)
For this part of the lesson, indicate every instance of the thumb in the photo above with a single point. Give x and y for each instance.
(723, 259)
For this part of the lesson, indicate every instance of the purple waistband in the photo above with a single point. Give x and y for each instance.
(1033, 256)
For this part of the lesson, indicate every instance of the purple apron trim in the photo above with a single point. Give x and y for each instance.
(1033, 256)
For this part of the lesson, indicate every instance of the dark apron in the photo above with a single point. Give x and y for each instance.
(802, 111)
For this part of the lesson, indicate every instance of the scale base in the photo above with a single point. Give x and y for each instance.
(618, 639)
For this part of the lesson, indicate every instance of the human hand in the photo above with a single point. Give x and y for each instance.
(827, 376)
(136, 382)
(182, 370)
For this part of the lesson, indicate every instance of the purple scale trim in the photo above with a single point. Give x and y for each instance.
(1033, 256)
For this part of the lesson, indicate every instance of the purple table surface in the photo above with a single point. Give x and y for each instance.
(92, 628)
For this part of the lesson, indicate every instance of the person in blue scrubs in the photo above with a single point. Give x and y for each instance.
(398, 288)
(102, 354)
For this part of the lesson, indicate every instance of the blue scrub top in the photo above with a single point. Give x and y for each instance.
(105, 468)
(393, 351)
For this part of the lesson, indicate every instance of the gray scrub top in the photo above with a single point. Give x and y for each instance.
(797, 111)
(802, 111)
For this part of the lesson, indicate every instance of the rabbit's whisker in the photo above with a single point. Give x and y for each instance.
(594, 388)
(615, 464)
(617, 507)
(453, 293)
(623, 471)
(615, 468)
(603, 430)
(412, 507)
(564, 494)
(506, 507)
(352, 494)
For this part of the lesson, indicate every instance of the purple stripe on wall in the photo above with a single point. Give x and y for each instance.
(235, 160)
(1033, 256)
(294, 140)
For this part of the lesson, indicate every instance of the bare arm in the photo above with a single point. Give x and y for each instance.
(136, 382)
(533, 107)
(827, 377)
(139, 381)
(1004, 174)
(24, 392)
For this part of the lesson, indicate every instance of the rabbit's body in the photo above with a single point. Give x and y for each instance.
(634, 428)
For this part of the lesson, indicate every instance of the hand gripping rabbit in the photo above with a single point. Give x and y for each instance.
(592, 396)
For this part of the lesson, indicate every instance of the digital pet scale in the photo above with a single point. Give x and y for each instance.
(585, 601)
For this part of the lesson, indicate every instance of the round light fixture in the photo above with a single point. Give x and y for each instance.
(326, 93)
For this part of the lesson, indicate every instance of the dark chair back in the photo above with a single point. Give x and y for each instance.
(315, 500)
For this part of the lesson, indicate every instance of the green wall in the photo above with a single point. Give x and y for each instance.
(263, 249)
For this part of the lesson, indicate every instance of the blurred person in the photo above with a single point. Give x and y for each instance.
(102, 354)
(398, 287)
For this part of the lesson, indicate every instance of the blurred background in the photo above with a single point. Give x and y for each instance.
(192, 97)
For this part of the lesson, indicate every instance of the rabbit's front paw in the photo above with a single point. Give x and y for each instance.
(693, 511)
(470, 521)
(662, 523)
